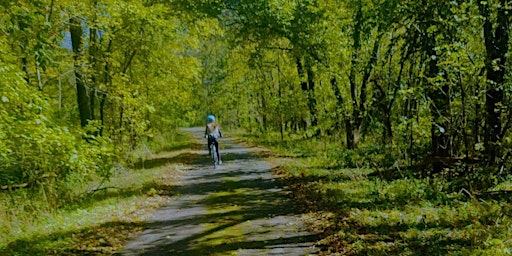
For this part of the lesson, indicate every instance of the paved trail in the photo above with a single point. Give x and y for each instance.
(236, 209)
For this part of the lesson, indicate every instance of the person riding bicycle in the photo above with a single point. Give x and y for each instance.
(213, 133)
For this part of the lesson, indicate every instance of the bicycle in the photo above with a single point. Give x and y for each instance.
(213, 151)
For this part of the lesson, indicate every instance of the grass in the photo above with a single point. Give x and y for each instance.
(98, 220)
(363, 215)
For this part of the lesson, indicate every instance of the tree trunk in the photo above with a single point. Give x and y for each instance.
(24, 67)
(439, 129)
(83, 99)
(339, 107)
(351, 123)
(388, 128)
(102, 112)
(104, 93)
(307, 85)
(351, 140)
(497, 37)
(303, 86)
(263, 111)
(359, 100)
(93, 61)
(311, 95)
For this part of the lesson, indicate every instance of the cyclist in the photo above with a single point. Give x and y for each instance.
(213, 133)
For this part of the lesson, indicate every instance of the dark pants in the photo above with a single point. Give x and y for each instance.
(216, 143)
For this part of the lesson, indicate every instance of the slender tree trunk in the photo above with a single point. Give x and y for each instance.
(104, 93)
(38, 73)
(465, 137)
(360, 109)
(307, 84)
(337, 93)
(303, 86)
(93, 60)
(60, 92)
(24, 67)
(280, 95)
(439, 109)
(263, 111)
(387, 123)
(102, 112)
(92, 97)
(339, 105)
(351, 123)
(24, 43)
(351, 144)
(121, 109)
(311, 95)
(478, 115)
(359, 100)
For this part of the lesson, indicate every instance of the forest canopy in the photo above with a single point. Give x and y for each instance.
(423, 84)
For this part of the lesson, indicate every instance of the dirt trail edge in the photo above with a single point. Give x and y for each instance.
(237, 209)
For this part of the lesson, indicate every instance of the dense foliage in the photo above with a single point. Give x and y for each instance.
(425, 83)
(85, 83)
(396, 85)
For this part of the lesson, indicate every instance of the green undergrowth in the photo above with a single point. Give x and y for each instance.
(359, 214)
(102, 215)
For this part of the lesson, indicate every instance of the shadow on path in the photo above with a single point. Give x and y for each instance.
(237, 209)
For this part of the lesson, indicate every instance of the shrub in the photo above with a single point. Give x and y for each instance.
(34, 150)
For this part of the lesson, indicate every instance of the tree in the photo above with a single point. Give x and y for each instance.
(82, 94)
(496, 29)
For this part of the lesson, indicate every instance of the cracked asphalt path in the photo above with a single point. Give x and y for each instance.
(237, 209)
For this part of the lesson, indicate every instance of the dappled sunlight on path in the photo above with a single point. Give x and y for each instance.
(237, 209)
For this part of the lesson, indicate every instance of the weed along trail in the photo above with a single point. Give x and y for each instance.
(236, 209)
